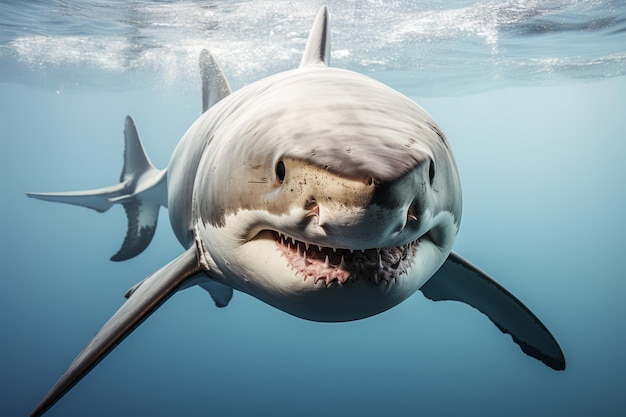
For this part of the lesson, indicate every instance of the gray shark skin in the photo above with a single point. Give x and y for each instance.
(319, 191)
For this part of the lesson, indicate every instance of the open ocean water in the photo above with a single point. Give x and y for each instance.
(532, 96)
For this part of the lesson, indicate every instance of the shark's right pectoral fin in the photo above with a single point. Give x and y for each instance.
(145, 299)
(459, 280)
(220, 293)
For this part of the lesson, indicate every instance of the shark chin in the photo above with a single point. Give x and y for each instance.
(319, 191)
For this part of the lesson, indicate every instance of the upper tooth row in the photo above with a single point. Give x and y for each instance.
(294, 242)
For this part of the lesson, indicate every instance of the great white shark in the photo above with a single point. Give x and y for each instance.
(319, 191)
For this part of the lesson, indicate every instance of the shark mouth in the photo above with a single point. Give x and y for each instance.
(333, 266)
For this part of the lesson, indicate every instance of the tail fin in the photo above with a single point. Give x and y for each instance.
(142, 190)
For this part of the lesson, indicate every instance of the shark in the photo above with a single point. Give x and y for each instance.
(319, 191)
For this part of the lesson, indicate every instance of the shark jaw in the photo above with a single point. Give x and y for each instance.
(309, 276)
(336, 266)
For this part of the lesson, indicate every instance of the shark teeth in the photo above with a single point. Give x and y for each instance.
(333, 266)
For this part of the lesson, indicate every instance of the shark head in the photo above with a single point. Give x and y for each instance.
(324, 192)
(327, 195)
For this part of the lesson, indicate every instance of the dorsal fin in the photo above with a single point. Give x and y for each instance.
(136, 161)
(317, 49)
(214, 84)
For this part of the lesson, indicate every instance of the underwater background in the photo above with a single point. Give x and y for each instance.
(532, 97)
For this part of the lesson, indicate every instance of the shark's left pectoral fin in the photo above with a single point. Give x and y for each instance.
(459, 280)
(146, 298)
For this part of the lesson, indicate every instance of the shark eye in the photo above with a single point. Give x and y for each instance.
(431, 172)
(280, 171)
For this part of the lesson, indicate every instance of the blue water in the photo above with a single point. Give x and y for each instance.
(532, 96)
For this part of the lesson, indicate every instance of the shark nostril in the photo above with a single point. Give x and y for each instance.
(315, 211)
(313, 208)
(310, 203)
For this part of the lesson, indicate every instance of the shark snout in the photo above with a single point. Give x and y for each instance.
(370, 213)
(364, 227)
